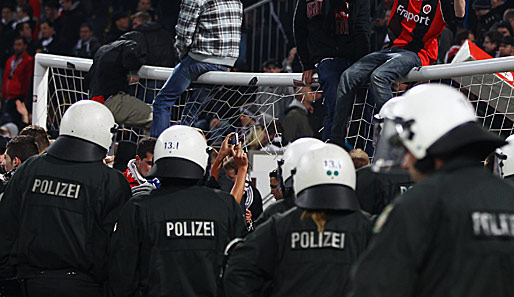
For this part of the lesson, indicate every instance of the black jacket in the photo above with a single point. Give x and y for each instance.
(69, 32)
(59, 215)
(299, 260)
(278, 207)
(376, 190)
(111, 64)
(160, 45)
(156, 250)
(452, 234)
(315, 30)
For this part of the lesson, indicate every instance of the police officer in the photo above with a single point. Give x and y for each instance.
(379, 183)
(308, 250)
(59, 209)
(291, 156)
(451, 234)
(170, 242)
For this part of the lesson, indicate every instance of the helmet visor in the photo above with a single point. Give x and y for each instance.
(389, 150)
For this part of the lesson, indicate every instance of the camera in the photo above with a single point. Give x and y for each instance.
(234, 139)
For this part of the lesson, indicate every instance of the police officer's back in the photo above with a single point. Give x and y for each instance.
(308, 250)
(171, 241)
(451, 234)
(59, 209)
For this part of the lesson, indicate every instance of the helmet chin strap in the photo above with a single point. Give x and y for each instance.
(425, 165)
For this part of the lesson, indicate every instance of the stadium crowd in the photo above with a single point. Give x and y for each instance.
(173, 216)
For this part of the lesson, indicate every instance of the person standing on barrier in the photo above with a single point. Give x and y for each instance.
(208, 37)
(452, 233)
(330, 35)
(59, 209)
(308, 250)
(414, 27)
(171, 241)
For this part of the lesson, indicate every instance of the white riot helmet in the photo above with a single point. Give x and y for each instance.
(438, 120)
(86, 132)
(504, 159)
(384, 125)
(325, 179)
(292, 154)
(180, 152)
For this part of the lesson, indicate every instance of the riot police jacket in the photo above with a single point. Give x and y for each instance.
(171, 242)
(452, 234)
(59, 215)
(296, 258)
(278, 207)
(375, 190)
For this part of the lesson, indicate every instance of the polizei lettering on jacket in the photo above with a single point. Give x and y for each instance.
(317, 240)
(53, 187)
(487, 224)
(190, 228)
(412, 17)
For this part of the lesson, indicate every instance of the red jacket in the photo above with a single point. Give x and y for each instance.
(19, 83)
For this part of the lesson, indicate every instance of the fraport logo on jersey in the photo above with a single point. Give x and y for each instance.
(414, 17)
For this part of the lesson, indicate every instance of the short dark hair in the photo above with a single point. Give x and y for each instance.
(22, 39)
(145, 145)
(28, 10)
(494, 36)
(22, 147)
(273, 173)
(271, 63)
(9, 6)
(39, 134)
(48, 22)
(19, 26)
(87, 25)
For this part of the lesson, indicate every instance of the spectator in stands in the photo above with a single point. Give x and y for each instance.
(18, 149)
(72, 20)
(49, 43)
(506, 47)
(380, 16)
(9, 130)
(146, 6)
(25, 30)
(208, 38)
(40, 136)
(160, 53)
(504, 29)
(115, 65)
(18, 72)
(88, 45)
(298, 116)
(274, 185)
(271, 139)
(139, 166)
(384, 67)
(492, 42)
(6, 34)
(359, 158)
(273, 101)
(119, 26)
(460, 38)
(329, 40)
(51, 13)
(26, 14)
(483, 20)
(508, 16)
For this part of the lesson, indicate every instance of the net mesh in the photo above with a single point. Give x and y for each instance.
(217, 109)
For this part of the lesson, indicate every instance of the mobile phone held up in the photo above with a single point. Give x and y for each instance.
(234, 139)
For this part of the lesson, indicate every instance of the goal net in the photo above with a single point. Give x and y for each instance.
(254, 104)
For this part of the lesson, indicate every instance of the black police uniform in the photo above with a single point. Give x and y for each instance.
(280, 206)
(171, 242)
(299, 260)
(376, 190)
(450, 235)
(57, 217)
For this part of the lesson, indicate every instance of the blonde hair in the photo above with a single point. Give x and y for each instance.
(319, 218)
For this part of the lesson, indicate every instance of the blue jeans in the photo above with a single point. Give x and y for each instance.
(381, 68)
(187, 71)
(329, 73)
